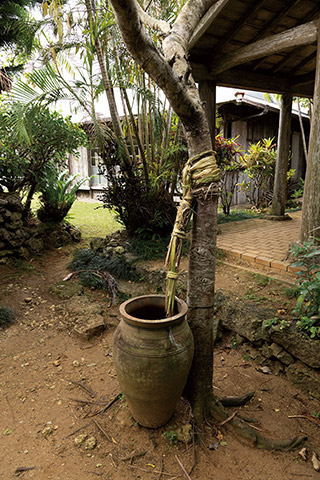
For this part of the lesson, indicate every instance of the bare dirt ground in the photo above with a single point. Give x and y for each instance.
(53, 384)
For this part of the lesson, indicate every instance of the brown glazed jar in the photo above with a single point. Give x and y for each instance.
(152, 356)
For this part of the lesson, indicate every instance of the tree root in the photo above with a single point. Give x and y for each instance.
(248, 433)
(236, 401)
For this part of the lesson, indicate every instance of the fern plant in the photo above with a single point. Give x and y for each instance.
(58, 195)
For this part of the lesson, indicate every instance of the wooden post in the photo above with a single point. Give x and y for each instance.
(310, 225)
(284, 135)
(207, 91)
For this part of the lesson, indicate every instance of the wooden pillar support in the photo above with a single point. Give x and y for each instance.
(207, 91)
(310, 225)
(284, 136)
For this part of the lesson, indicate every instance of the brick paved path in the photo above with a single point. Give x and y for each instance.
(262, 243)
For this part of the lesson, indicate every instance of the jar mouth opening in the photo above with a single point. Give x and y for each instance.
(149, 310)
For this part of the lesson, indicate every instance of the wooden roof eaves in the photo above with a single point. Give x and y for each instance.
(250, 13)
(283, 12)
(302, 35)
(207, 20)
(241, 78)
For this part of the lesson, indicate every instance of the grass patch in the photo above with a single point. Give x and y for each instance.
(93, 221)
(146, 249)
(237, 216)
(261, 280)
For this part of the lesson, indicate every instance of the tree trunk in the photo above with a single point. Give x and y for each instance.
(310, 225)
(280, 181)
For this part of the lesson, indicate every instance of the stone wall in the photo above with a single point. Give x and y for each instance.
(21, 239)
(282, 347)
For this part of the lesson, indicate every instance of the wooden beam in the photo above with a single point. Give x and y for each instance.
(207, 20)
(293, 54)
(279, 198)
(305, 34)
(240, 78)
(301, 80)
(207, 91)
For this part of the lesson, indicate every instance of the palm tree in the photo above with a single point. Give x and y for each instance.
(16, 33)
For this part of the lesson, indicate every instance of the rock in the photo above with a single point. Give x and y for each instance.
(98, 244)
(47, 431)
(35, 244)
(119, 250)
(306, 378)
(246, 320)
(132, 289)
(87, 327)
(66, 289)
(283, 356)
(297, 343)
(79, 439)
(184, 434)
(90, 443)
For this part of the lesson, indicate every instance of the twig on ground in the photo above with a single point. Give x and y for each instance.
(161, 469)
(20, 470)
(86, 389)
(182, 467)
(117, 397)
(311, 418)
(101, 429)
(172, 475)
(78, 430)
(227, 419)
(133, 456)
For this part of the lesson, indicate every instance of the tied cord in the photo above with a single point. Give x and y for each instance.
(199, 170)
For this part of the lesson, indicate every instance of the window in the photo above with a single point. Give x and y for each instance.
(96, 161)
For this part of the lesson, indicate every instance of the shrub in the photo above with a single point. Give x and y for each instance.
(308, 302)
(259, 163)
(6, 316)
(229, 160)
(58, 195)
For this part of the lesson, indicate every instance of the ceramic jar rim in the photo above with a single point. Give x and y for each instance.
(158, 323)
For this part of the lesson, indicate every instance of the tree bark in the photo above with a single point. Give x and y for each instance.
(310, 225)
(280, 180)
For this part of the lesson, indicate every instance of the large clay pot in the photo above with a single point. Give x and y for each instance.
(152, 357)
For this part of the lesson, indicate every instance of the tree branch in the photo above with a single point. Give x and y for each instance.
(160, 25)
(151, 60)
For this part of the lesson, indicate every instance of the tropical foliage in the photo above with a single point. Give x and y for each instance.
(57, 195)
(25, 162)
(259, 163)
(308, 302)
(229, 160)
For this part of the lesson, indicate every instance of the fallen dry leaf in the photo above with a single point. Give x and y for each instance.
(315, 462)
(303, 453)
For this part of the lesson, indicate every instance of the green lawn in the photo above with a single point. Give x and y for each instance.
(93, 221)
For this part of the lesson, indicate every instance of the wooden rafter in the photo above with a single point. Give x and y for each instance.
(246, 18)
(283, 12)
(305, 34)
(206, 21)
(304, 62)
(292, 54)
